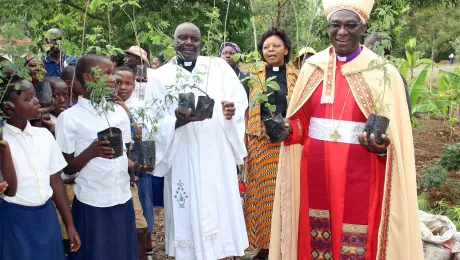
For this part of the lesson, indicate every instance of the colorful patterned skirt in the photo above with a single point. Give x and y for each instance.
(262, 168)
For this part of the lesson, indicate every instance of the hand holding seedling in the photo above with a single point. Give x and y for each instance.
(44, 110)
(99, 149)
(136, 167)
(287, 128)
(3, 187)
(120, 102)
(228, 108)
(185, 119)
(373, 147)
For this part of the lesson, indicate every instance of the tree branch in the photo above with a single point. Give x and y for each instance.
(72, 4)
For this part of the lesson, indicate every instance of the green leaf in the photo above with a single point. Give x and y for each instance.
(95, 4)
(273, 85)
(270, 107)
(417, 84)
(263, 98)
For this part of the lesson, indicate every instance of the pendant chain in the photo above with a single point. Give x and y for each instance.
(335, 135)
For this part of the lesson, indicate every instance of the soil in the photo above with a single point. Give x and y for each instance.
(429, 140)
(158, 237)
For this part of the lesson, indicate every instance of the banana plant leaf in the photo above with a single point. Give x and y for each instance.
(417, 84)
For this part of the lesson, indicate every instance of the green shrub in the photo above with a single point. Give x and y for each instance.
(450, 158)
(433, 176)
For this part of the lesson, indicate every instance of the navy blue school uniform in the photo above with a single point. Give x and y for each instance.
(158, 184)
(102, 209)
(29, 227)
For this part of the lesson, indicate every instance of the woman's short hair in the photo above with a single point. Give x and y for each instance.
(274, 31)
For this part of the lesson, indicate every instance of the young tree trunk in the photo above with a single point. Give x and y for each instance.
(296, 25)
(278, 14)
(84, 24)
(253, 20)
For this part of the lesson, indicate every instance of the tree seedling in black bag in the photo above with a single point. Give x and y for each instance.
(101, 98)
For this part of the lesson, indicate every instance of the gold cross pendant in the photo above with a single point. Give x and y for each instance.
(335, 136)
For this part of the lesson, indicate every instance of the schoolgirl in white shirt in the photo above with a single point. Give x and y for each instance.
(29, 228)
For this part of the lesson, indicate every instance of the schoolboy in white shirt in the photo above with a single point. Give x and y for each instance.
(29, 228)
(103, 207)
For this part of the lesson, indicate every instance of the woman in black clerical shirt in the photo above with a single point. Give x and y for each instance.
(262, 161)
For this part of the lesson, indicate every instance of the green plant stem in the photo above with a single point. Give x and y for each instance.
(133, 24)
(199, 90)
(106, 118)
(209, 42)
(226, 17)
(110, 27)
(84, 24)
(297, 25)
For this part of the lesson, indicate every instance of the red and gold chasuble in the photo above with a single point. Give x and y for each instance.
(341, 183)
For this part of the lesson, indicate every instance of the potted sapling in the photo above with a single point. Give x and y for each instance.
(274, 123)
(101, 97)
(201, 107)
(204, 106)
(143, 149)
(376, 123)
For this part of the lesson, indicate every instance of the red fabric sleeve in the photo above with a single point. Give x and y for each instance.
(299, 122)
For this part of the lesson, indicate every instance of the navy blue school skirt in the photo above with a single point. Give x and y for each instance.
(157, 190)
(29, 233)
(144, 186)
(105, 233)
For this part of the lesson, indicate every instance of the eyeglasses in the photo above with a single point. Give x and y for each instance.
(347, 26)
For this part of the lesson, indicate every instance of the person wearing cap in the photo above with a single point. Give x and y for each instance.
(203, 214)
(136, 59)
(341, 194)
(227, 51)
(304, 54)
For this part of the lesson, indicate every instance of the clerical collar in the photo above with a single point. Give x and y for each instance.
(188, 65)
(276, 69)
(349, 57)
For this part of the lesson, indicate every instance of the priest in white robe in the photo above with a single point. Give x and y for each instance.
(203, 211)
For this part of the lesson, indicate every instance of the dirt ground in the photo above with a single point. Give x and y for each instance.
(429, 139)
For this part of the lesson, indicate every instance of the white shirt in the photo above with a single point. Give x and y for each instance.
(140, 87)
(133, 104)
(36, 156)
(451, 56)
(53, 118)
(102, 182)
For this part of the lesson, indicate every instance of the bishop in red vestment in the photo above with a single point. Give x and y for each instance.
(349, 197)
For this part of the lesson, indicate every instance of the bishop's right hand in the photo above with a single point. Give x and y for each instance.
(185, 119)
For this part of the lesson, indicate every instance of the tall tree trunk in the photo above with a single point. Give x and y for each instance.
(253, 20)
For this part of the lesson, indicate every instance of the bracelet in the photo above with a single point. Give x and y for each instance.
(381, 154)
